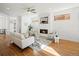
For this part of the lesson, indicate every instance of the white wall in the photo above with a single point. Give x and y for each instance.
(68, 29)
(19, 24)
(25, 21)
(35, 24)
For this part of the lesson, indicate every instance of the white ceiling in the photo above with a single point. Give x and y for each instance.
(18, 8)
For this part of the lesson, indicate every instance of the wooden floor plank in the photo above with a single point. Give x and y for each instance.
(64, 48)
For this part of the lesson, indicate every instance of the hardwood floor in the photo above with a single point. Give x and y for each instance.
(64, 48)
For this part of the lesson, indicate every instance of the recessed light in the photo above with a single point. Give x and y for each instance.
(8, 8)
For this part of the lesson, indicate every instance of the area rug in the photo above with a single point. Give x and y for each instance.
(40, 41)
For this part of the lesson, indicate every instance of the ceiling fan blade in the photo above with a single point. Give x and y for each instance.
(34, 12)
(33, 9)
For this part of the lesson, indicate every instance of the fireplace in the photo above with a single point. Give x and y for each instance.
(44, 31)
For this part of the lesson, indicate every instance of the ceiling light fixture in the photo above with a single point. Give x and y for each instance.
(30, 10)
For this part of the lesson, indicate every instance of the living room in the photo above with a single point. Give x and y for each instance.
(39, 29)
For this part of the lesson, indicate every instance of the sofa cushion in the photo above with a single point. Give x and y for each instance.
(19, 36)
(26, 35)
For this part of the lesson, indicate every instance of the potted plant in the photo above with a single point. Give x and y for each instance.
(31, 32)
(30, 27)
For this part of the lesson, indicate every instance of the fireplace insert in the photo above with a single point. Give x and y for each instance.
(44, 31)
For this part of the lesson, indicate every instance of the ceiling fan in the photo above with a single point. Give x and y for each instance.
(32, 10)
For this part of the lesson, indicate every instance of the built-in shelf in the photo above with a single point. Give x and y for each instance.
(44, 20)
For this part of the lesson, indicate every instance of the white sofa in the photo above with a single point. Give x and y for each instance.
(21, 41)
